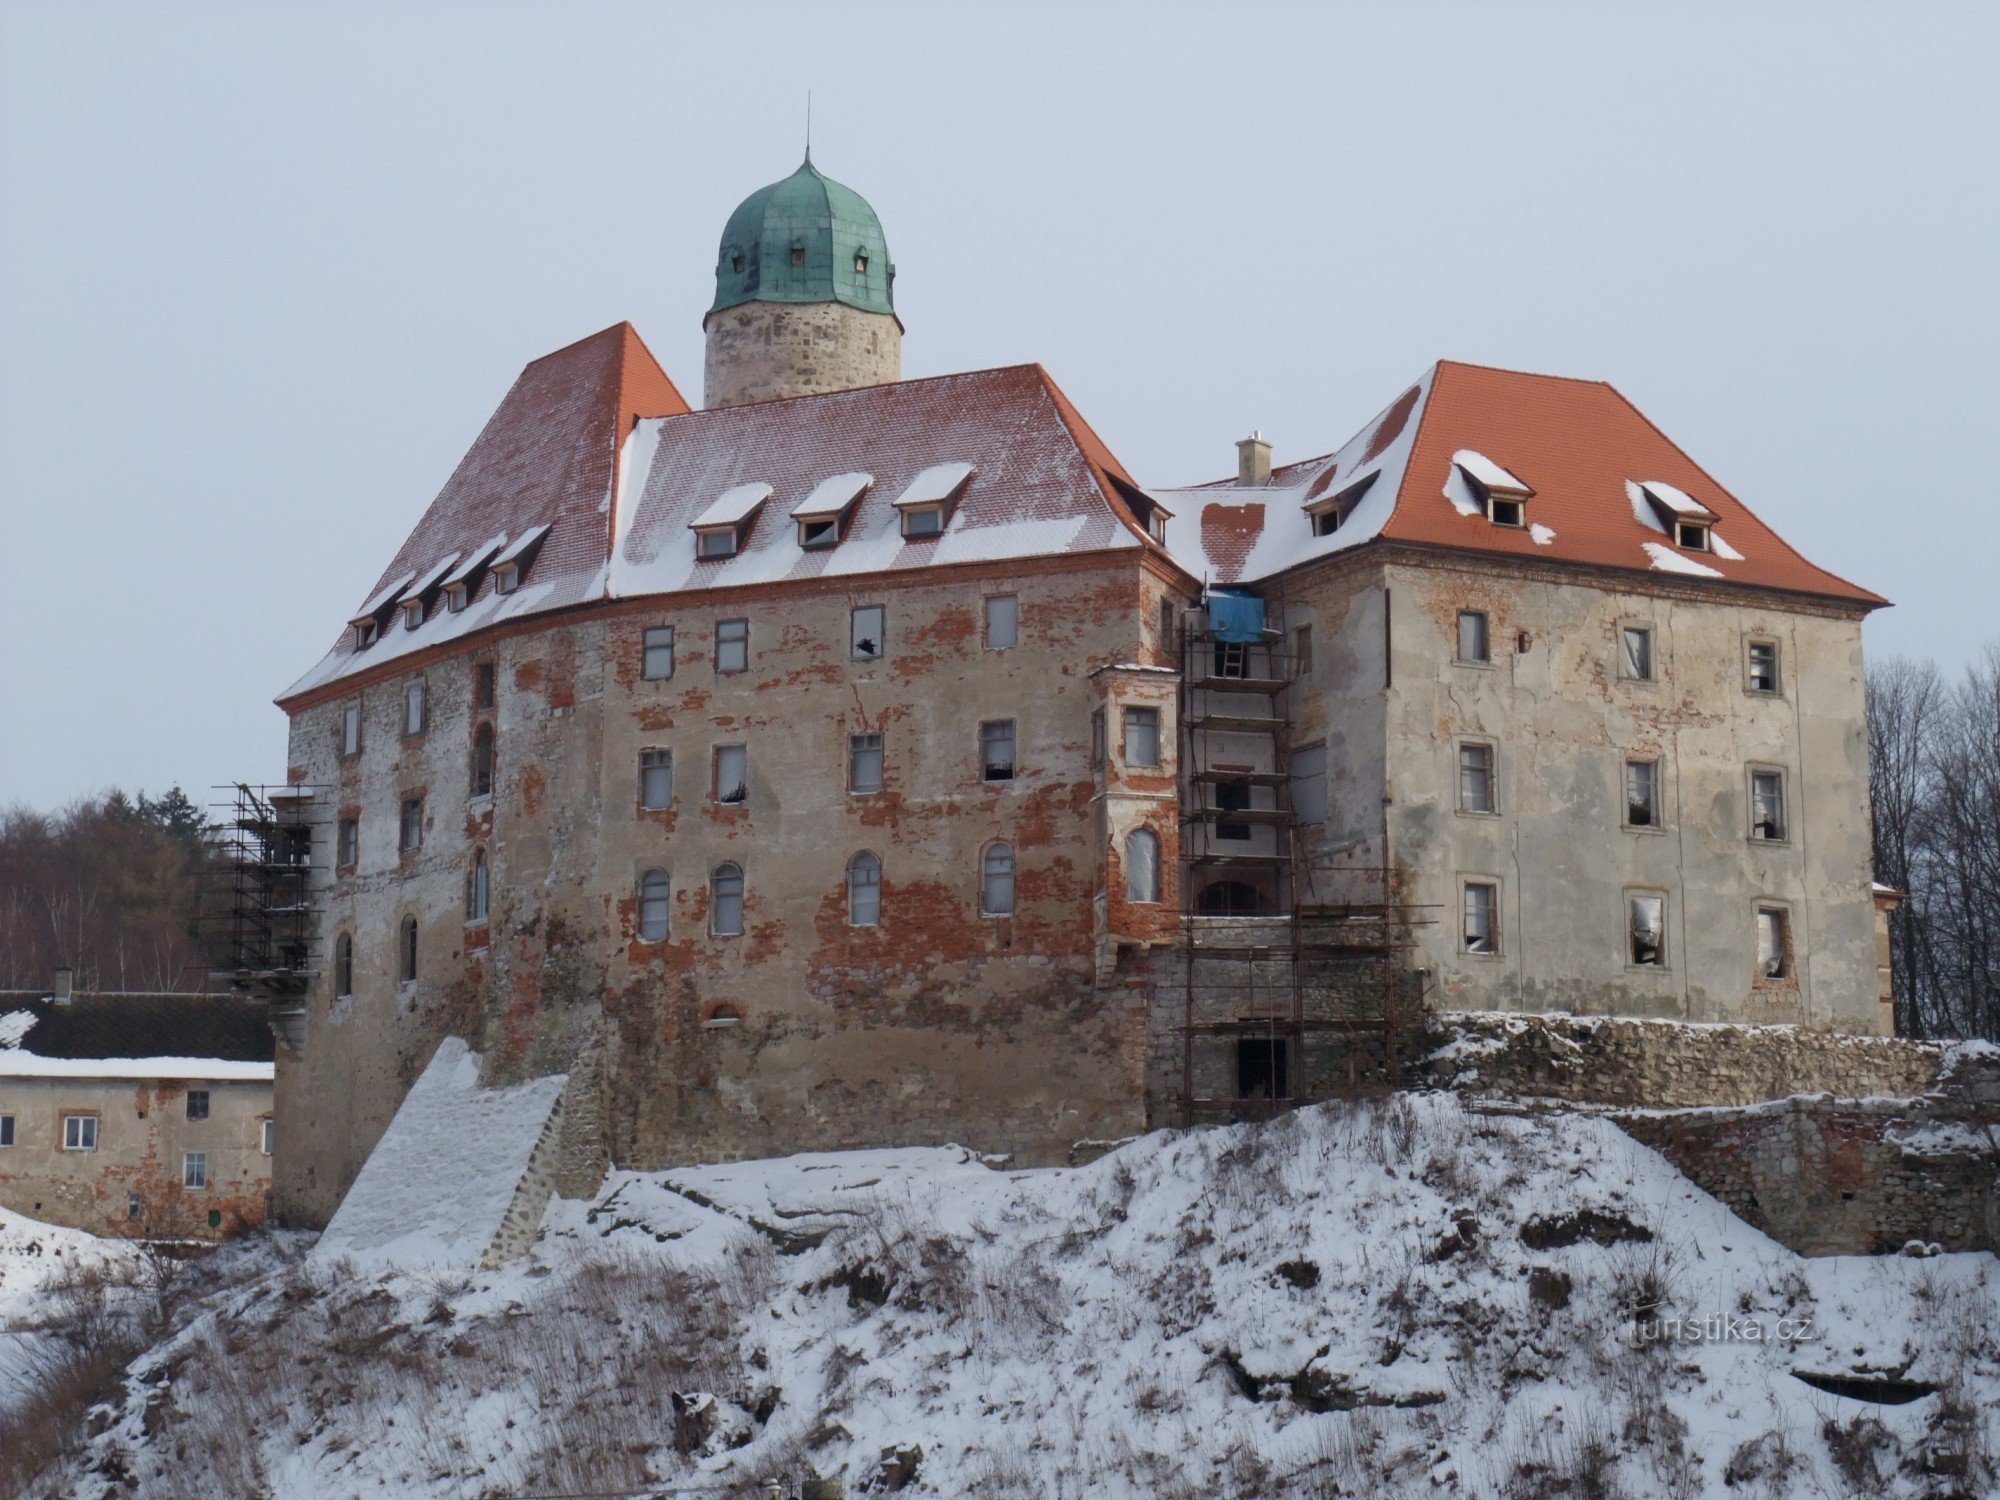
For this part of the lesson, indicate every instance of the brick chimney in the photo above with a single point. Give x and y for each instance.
(1253, 460)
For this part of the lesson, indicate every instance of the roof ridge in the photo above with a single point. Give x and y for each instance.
(853, 389)
(1086, 440)
(1473, 364)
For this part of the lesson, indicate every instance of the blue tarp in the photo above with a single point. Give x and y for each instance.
(1235, 617)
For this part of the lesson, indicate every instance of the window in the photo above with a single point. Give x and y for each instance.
(406, 945)
(865, 632)
(1774, 943)
(1309, 803)
(477, 887)
(655, 903)
(135, 1206)
(1097, 737)
(815, 536)
(410, 831)
(1646, 928)
(506, 579)
(732, 773)
(725, 901)
(1003, 621)
(347, 848)
(1142, 736)
(1506, 512)
(485, 685)
(923, 521)
(732, 646)
(1635, 660)
(656, 779)
(79, 1132)
(368, 632)
(1763, 666)
(413, 707)
(350, 729)
(1475, 779)
(657, 659)
(798, 255)
(996, 750)
(343, 966)
(1232, 659)
(1472, 642)
(1693, 535)
(1642, 794)
(1142, 865)
(1156, 526)
(1482, 917)
(864, 763)
(482, 761)
(1767, 805)
(864, 890)
(1232, 796)
(1302, 650)
(6, 1131)
(197, 1104)
(718, 543)
(861, 263)
(268, 1135)
(736, 261)
(194, 1169)
(1168, 643)
(996, 881)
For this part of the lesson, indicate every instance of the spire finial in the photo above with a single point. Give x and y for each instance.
(809, 127)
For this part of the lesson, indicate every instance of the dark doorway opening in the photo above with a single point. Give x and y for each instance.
(1232, 796)
(1231, 898)
(1260, 1068)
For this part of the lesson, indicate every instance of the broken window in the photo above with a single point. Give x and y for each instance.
(413, 707)
(135, 1205)
(996, 881)
(725, 901)
(1693, 535)
(1302, 651)
(343, 966)
(1232, 796)
(194, 1169)
(655, 893)
(197, 1104)
(485, 685)
(1472, 641)
(1261, 1068)
(1482, 931)
(1636, 656)
(1646, 928)
(6, 1131)
(864, 890)
(1142, 736)
(1763, 666)
(410, 830)
(407, 945)
(267, 1137)
(1475, 779)
(1003, 621)
(656, 662)
(477, 888)
(866, 632)
(732, 646)
(996, 750)
(864, 763)
(1642, 793)
(347, 848)
(482, 761)
(1142, 865)
(1774, 943)
(732, 773)
(350, 729)
(656, 779)
(79, 1132)
(1767, 805)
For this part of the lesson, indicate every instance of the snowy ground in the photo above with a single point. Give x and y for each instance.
(1391, 1299)
(34, 1257)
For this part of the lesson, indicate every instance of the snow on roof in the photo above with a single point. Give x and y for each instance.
(136, 1036)
(432, 579)
(832, 496)
(14, 1025)
(1488, 473)
(934, 485)
(1669, 561)
(1676, 500)
(475, 559)
(516, 549)
(381, 599)
(18, 1062)
(733, 506)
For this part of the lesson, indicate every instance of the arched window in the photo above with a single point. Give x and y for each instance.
(654, 893)
(725, 901)
(406, 946)
(343, 966)
(482, 761)
(476, 888)
(1142, 865)
(864, 890)
(996, 881)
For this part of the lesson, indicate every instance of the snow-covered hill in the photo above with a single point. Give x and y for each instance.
(1383, 1299)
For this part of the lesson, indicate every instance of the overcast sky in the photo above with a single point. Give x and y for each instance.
(265, 269)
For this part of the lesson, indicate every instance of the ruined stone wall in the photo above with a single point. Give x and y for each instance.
(1562, 721)
(1665, 1064)
(760, 351)
(143, 1135)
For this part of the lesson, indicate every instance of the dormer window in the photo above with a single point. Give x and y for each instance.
(798, 253)
(736, 260)
(861, 263)
(512, 565)
(372, 616)
(823, 515)
(413, 613)
(927, 503)
(1680, 515)
(367, 633)
(1328, 514)
(1506, 511)
(817, 535)
(463, 581)
(1156, 526)
(1498, 494)
(1693, 535)
(722, 529)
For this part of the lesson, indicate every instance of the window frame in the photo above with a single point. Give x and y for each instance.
(988, 873)
(194, 1171)
(1137, 716)
(1492, 753)
(1012, 738)
(658, 758)
(1158, 884)
(416, 708)
(478, 888)
(74, 1139)
(1657, 804)
(910, 531)
(7, 1132)
(350, 729)
(855, 638)
(716, 877)
(1302, 650)
(715, 788)
(1485, 628)
(267, 1136)
(1623, 646)
(1752, 774)
(347, 843)
(194, 1111)
(1631, 896)
(343, 965)
(649, 645)
(484, 760)
(742, 642)
(407, 941)
(1787, 975)
(865, 863)
(855, 750)
(1013, 603)
(410, 824)
(653, 896)
(1750, 648)
(1495, 935)
(1692, 536)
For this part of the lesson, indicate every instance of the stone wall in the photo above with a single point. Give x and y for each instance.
(1599, 1060)
(761, 351)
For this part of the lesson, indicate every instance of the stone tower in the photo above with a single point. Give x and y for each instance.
(804, 295)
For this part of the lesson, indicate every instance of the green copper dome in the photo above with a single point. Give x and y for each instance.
(806, 239)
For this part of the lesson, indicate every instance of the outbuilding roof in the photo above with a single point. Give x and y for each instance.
(135, 1036)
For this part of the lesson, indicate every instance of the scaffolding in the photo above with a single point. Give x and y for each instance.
(1294, 982)
(257, 914)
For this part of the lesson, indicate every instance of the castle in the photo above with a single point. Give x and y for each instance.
(855, 760)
